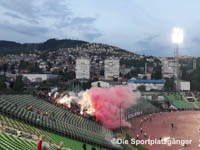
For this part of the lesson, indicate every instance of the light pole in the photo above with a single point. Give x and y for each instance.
(120, 107)
(177, 39)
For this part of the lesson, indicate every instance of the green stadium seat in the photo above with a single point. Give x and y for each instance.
(75, 126)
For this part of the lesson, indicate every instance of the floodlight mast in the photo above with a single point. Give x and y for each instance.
(177, 39)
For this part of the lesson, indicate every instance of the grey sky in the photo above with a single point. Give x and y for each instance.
(136, 25)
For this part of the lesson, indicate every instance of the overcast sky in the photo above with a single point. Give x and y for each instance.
(142, 26)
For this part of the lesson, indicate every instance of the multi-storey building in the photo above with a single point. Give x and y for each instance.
(82, 68)
(168, 67)
(111, 68)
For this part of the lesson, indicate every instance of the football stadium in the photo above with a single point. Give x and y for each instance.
(99, 75)
(54, 120)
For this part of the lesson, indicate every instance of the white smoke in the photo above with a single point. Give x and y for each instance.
(81, 98)
(68, 99)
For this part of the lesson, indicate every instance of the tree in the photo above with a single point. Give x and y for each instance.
(184, 75)
(131, 74)
(157, 74)
(168, 103)
(170, 84)
(86, 85)
(195, 80)
(5, 68)
(2, 85)
(115, 79)
(141, 88)
(98, 84)
(70, 60)
(18, 84)
(102, 72)
(68, 76)
(144, 78)
(34, 68)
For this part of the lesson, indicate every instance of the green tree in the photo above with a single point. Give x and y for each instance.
(141, 88)
(70, 60)
(115, 79)
(2, 85)
(194, 78)
(131, 74)
(68, 76)
(98, 84)
(168, 103)
(18, 84)
(144, 78)
(157, 74)
(170, 84)
(34, 68)
(184, 75)
(5, 68)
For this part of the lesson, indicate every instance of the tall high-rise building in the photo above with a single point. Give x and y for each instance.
(82, 68)
(168, 67)
(194, 64)
(145, 68)
(111, 67)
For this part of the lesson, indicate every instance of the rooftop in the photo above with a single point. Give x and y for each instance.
(147, 81)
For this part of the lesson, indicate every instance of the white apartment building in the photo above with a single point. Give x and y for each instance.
(82, 68)
(39, 77)
(168, 67)
(111, 67)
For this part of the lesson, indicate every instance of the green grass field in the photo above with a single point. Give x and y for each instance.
(177, 102)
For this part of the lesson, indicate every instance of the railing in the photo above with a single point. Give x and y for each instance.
(66, 132)
(166, 110)
(84, 131)
(22, 128)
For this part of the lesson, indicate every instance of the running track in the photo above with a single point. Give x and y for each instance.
(187, 126)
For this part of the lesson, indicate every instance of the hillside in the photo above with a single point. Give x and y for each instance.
(62, 54)
(10, 47)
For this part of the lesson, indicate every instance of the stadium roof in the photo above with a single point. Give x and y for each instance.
(147, 81)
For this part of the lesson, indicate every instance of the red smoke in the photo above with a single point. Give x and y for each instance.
(107, 101)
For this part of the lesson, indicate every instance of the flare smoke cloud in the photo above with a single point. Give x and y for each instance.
(106, 104)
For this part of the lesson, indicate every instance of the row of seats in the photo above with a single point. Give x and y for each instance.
(9, 142)
(73, 126)
(13, 143)
(25, 100)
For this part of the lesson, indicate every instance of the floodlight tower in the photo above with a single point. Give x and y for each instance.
(177, 39)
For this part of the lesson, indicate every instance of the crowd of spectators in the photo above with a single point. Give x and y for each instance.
(53, 98)
(48, 114)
